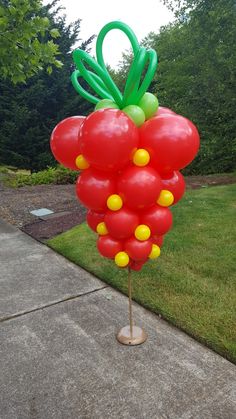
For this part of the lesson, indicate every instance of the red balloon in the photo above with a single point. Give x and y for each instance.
(163, 111)
(138, 250)
(157, 240)
(136, 266)
(94, 218)
(158, 219)
(109, 247)
(172, 141)
(108, 138)
(64, 141)
(121, 224)
(175, 183)
(93, 188)
(139, 187)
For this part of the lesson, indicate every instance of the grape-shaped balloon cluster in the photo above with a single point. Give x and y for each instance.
(129, 152)
(129, 174)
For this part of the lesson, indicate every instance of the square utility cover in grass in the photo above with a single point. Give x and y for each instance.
(193, 283)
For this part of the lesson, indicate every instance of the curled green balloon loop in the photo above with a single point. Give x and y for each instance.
(99, 52)
(100, 80)
(79, 89)
(81, 56)
(134, 77)
(152, 57)
(137, 93)
(107, 28)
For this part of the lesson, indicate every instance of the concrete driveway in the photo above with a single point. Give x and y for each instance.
(60, 359)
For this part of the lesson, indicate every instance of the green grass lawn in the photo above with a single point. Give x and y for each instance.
(193, 283)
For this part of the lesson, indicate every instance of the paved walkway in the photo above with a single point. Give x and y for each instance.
(60, 359)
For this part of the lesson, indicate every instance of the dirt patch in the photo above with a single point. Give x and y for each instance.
(16, 204)
(195, 182)
(47, 228)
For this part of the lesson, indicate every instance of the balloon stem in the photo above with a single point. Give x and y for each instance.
(130, 304)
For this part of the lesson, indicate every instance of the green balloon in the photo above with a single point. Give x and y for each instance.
(135, 113)
(79, 89)
(149, 104)
(98, 78)
(134, 77)
(106, 103)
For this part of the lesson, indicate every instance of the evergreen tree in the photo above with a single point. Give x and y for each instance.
(28, 113)
(196, 76)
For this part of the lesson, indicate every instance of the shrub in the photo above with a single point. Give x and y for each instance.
(55, 176)
(3, 170)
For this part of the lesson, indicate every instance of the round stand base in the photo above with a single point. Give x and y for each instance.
(124, 336)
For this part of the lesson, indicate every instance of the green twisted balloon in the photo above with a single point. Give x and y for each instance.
(100, 80)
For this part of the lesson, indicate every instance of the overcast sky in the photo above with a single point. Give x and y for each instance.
(142, 16)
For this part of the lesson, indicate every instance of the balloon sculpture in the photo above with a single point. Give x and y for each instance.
(129, 151)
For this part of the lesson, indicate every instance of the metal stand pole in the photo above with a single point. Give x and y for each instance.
(131, 335)
(130, 304)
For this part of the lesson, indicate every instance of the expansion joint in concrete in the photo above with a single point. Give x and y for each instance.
(72, 297)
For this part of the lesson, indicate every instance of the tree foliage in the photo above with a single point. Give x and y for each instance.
(29, 112)
(27, 40)
(196, 76)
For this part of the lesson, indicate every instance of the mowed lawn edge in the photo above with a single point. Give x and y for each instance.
(193, 283)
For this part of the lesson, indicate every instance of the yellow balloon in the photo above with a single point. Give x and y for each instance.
(166, 198)
(155, 253)
(122, 259)
(141, 157)
(142, 232)
(102, 229)
(114, 202)
(81, 162)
